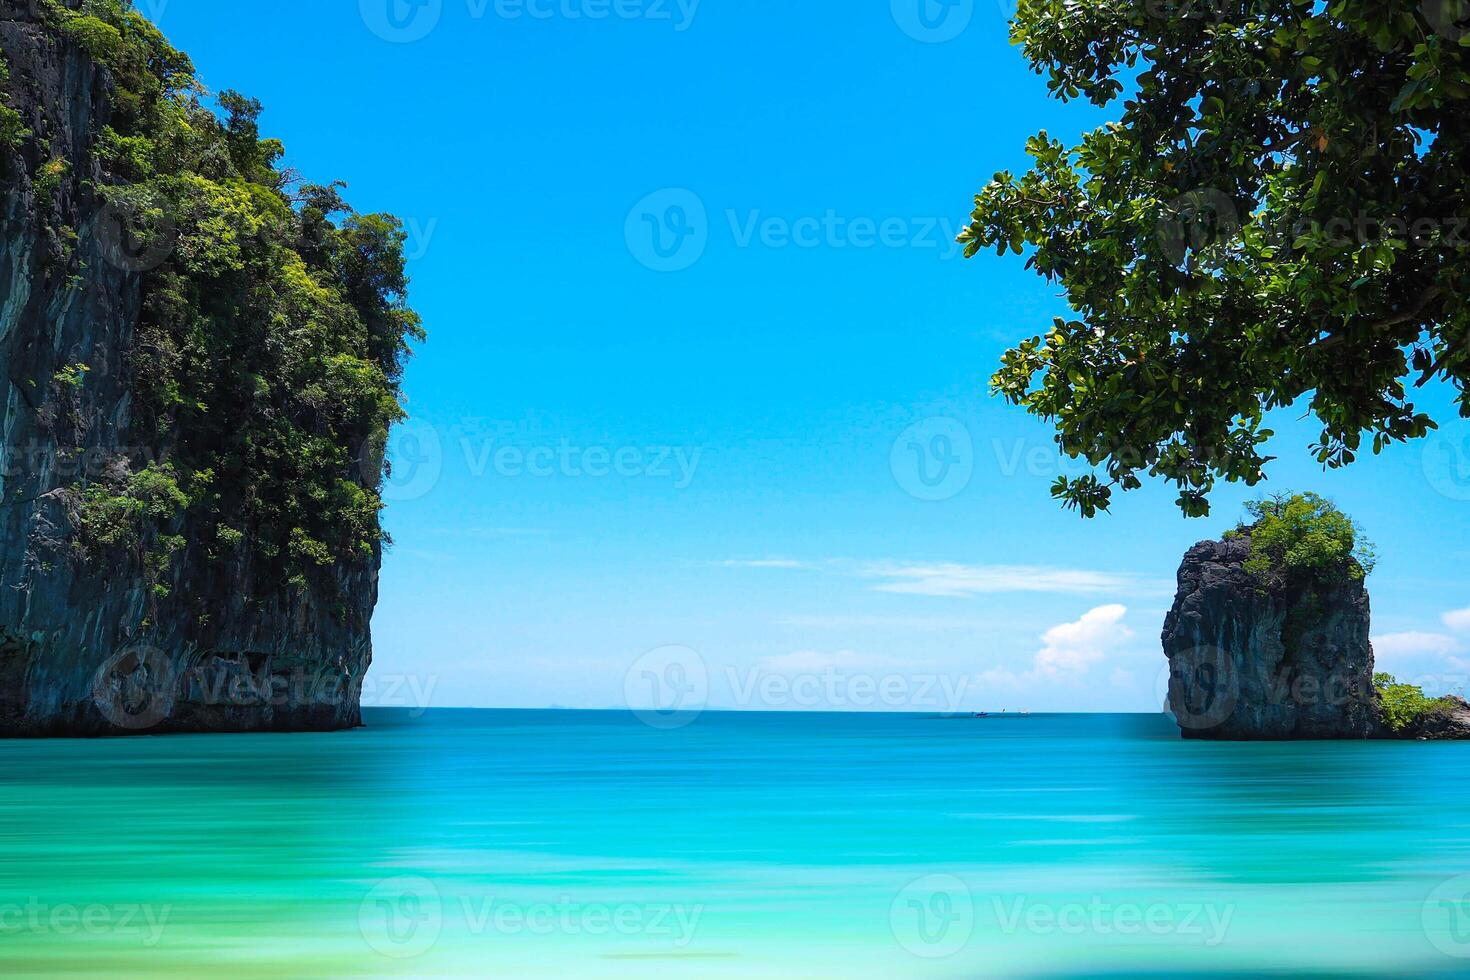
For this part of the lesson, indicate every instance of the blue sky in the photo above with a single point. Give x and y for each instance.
(755, 454)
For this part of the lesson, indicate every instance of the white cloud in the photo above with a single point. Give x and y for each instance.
(1415, 642)
(1424, 651)
(1427, 651)
(1457, 620)
(815, 661)
(1070, 649)
(1433, 661)
(957, 580)
(906, 623)
(960, 581)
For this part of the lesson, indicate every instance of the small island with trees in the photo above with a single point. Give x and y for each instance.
(1268, 637)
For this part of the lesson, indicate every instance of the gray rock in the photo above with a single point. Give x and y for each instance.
(1450, 721)
(1247, 662)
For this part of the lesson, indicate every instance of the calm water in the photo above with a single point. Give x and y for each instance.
(585, 843)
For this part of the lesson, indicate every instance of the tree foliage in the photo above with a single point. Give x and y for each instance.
(1304, 539)
(273, 331)
(1404, 704)
(1279, 214)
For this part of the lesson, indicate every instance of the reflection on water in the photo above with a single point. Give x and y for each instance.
(585, 843)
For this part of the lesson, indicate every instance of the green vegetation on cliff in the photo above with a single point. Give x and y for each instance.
(13, 130)
(1303, 538)
(1302, 543)
(1404, 704)
(273, 328)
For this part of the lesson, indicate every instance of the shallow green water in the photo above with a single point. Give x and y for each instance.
(585, 843)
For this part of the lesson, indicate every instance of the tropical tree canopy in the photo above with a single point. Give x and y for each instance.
(1278, 215)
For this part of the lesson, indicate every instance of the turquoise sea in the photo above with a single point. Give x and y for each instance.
(560, 843)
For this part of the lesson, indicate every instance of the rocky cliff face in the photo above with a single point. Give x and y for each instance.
(96, 647)
(1248, 662)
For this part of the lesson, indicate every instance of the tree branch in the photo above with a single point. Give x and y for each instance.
(1387, 323)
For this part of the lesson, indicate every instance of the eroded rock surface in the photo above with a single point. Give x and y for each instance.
(1291, 662)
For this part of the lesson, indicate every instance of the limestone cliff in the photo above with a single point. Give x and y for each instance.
(157, 573)
(1282, 660)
